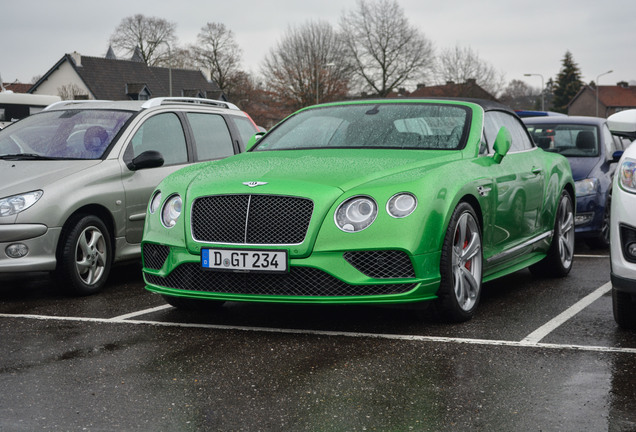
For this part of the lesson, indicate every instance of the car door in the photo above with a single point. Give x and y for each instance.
(163, 132)
(520, 183)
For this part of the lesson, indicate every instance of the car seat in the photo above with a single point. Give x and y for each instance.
(95, 141)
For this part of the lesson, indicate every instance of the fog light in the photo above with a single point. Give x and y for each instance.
(17, 250)
(583, 218)
(631, 250)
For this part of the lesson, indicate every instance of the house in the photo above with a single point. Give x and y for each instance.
(80, 77)
(16, 87)
(609, 100)
(468, 89)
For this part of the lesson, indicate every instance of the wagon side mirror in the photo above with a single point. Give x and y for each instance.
(147, 159)
(502, 144)
(253, 140)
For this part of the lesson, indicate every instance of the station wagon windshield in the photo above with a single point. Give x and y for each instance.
(373, 125)
(63, 134)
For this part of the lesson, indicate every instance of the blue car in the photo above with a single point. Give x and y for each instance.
(593, 152)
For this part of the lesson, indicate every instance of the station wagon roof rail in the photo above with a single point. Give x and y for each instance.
(187, 100)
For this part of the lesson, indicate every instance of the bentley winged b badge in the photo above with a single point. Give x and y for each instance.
(254, 183)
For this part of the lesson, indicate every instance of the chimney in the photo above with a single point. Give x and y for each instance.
(77, 58)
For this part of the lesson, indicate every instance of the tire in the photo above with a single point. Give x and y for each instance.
(602, 241)
(624, 308)
(558, 261)
(192, 304)
(84, 256)
(460, 266)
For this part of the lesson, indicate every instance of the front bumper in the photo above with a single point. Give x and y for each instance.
(324, 277)
(40, 241)
(590, 210)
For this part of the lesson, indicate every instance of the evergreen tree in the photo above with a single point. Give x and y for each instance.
(568, 84)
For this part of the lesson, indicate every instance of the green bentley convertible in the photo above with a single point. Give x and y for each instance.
(373, 201)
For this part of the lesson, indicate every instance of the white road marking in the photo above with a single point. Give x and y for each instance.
(138, 313)
(558, 320)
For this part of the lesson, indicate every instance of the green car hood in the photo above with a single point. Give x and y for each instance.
(309, 173)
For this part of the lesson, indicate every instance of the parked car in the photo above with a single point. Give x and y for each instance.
(16, 106)
(591, 150)
(75, 179)
(623, 225)
(374, 201)
(531, 113)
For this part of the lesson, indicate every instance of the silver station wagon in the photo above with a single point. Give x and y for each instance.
(75, 179)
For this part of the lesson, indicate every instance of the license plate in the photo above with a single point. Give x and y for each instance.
(245, 260)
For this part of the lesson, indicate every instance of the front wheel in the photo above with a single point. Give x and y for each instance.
(461, 266)
(558, 261)
(85, 256)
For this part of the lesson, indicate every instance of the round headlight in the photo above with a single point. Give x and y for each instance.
(171, 211)
(356, 214)
(155, 202)
(401, 205)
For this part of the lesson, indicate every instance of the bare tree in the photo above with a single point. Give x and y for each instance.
(519, 95)
(461, 64)
(217, 51)
(387, 51)
(71, 92)
(154, 37)
(309, 65)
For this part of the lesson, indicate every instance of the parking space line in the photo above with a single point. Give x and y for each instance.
(558, 320)
(412, 338)
(138, 313)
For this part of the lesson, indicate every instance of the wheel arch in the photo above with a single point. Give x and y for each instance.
(91, 209)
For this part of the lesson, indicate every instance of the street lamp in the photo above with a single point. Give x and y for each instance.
(169, 63)
(542, 91)
(597, 77)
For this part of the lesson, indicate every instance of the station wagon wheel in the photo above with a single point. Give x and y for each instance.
(558, 261)
(461, 266)
(85, 255)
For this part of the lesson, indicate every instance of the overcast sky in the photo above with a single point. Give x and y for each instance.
(512, 36)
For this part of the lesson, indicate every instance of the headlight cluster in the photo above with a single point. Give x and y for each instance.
(627, 177)
(588, 186)
(17, 203)
(170, 211)
(357, 213)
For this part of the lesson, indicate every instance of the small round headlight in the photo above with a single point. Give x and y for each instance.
(356, 214)
(401, 205)
(155, 202)
(171, 211)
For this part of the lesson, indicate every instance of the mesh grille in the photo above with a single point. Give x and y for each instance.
(300, 281)
(251, 219)
(383, 264)
(155, 255)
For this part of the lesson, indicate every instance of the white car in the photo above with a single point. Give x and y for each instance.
(623, 224)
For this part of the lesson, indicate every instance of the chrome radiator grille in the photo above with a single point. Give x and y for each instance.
(251, 219)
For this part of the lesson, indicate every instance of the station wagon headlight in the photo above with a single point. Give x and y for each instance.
(17, 203)
(171, 211)
(155, 202)
(401, 205)
(627, 175)
(587, 186)
(356, 214)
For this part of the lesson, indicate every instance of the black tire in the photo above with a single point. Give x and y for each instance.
(558, 261)
(624, 308)
(84, 255)
(460, 266)
(602, 240)
(191, 304)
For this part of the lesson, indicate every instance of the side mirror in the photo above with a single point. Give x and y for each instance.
(502, 144)
(253, 140)
(147, 159)
(616, 156)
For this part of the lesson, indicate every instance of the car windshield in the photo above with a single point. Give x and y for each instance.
(373, 125)
(63, 134)
(575, 140)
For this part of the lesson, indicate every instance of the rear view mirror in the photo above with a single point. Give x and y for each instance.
(502, 144)
(147, 159)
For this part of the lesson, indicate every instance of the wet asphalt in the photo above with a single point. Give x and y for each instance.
(541, 355)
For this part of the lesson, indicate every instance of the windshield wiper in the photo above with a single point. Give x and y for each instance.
(26, 156)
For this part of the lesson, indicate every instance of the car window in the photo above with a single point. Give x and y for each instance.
(569, 139)
(494, 120)
(64, 134)
(162, 133)
(373, 125)
(212, 137)
(245, 128)
(610, 145)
